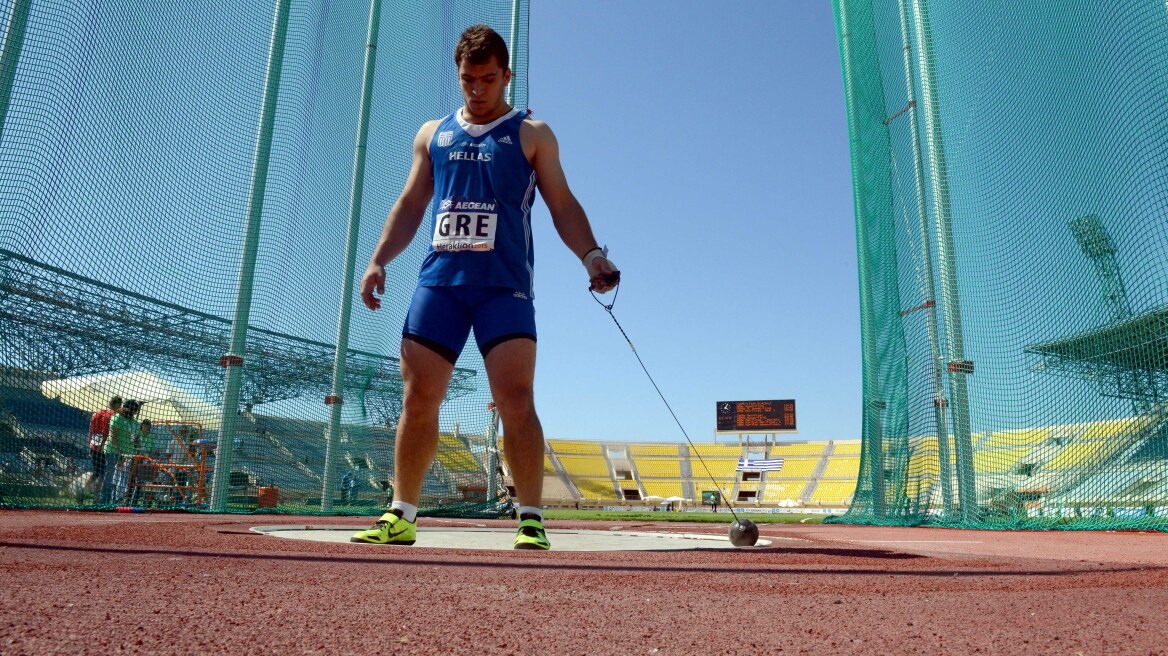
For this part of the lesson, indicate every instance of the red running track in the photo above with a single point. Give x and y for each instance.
(100, 583)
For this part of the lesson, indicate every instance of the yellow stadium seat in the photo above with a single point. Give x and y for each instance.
(717, 450)
(847, 467)
(658, 468)
(663, 489)
(1015, 438)
(847, 448)
(454, 454)
(1082, 453)
(548, 467)
(577, 447)
(457, 460)
(998, 461)
(776, 491)
(595, 488)
(554, 488)
(654, 450)
(833, 491)
(586, 466)
(719, 467)
(1103, 430)
(796, 468)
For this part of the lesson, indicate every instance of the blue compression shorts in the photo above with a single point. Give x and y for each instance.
(440, 318)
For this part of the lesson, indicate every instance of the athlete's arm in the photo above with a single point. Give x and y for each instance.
(404, 219)
(567, 215)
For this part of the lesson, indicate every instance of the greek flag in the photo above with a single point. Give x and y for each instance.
(760, 465)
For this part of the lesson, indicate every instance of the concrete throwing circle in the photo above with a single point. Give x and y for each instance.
(500, 539)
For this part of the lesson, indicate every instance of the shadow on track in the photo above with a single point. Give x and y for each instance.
(534, 562)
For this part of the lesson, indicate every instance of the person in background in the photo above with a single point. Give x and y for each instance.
(98, 433)
(119, 452)
(345, 481)
(143, 469)
(354, 483)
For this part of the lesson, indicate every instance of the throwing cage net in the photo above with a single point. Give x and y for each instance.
(189, 195)
(1010, 172)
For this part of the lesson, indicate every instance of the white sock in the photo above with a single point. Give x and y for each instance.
(408, 510)
(531, 510)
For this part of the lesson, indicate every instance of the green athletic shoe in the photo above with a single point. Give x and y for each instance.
(531, 535)
(390, 529)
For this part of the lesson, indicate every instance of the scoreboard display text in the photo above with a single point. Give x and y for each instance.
(756, 416)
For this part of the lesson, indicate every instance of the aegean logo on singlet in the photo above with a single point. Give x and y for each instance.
(466, 225)
(445, 138)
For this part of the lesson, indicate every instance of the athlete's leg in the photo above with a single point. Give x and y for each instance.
(426, 375)
(511, 371)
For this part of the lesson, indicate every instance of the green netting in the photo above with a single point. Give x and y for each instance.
(138, 140)
(1010, 167)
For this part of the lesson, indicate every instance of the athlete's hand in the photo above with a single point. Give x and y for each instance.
(372, 281)
(603, 275)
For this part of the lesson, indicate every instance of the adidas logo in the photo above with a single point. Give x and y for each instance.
(519, 294)
(506, 139)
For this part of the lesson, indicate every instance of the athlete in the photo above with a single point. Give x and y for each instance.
(481, 166)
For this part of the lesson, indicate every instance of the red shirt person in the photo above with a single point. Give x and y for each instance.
(98, 434)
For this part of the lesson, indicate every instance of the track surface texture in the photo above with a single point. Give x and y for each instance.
(100, 583)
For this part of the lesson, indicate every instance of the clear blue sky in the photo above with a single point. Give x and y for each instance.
(709, 147)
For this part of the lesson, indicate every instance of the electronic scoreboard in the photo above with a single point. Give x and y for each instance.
(756, 416)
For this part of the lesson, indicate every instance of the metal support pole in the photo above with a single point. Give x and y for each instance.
(493, 454)
(874, 440)
(336, 399)
(10, 57)
(233, 361)
(928, 286)
(511, 51)
(958, 367)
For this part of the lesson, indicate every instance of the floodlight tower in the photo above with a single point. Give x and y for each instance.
(1137, 384)
(1098, 247)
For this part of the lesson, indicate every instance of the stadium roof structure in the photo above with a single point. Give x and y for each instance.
(1132, 353)
(53, 320)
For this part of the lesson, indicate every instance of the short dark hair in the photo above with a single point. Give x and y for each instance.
(478, 44)
(115, 402)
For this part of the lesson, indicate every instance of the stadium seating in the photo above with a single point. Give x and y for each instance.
(664, 489)
(776, 491)
(846, 448)
(999, 460)
(548, 467)
(577, 447)
(796, 468)
(595, 488)
(659, 468)
(555, 489)
(718, 467)
(585, 466)
(717, 451)
(842, 468)
(1015, 438)
(653, 450)
(1079, 453)
(30, 407)
(454, 455)
(834, 492)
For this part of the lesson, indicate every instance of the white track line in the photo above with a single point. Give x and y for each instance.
(919, 541)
